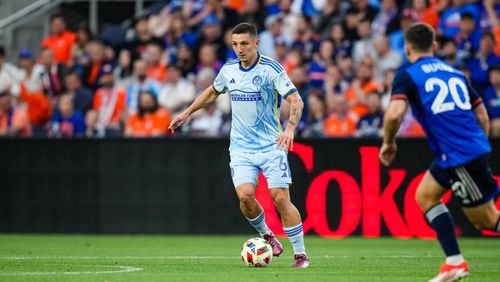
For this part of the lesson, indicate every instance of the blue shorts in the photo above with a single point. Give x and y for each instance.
(473, 183)
(245, 168)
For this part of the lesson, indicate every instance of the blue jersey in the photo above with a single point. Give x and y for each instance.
(256, 94)
(442, 100)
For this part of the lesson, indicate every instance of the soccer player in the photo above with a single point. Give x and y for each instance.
(456, 123)
(256, 85)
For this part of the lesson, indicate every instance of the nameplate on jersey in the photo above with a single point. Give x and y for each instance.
(245, 96)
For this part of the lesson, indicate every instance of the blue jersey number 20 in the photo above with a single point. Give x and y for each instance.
(444, 88)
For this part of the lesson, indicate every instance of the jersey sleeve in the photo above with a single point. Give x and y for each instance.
(282, 83)
(220, 82)
(474, 97)
(402, 86)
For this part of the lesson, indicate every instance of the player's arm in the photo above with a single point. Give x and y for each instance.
(402, 89)
(392, 121)
(482, 117)
(285, 139)
(207, 97)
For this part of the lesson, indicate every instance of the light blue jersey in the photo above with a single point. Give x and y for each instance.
(256, 94)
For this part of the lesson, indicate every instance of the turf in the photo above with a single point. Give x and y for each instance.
(216, 258)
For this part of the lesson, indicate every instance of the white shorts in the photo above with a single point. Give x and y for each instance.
(245, 168)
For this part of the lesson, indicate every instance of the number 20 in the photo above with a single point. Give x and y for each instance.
(439, 105)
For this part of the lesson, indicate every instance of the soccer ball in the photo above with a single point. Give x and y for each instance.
(256, 252)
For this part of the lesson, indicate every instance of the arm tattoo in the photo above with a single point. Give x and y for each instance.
(295, 113)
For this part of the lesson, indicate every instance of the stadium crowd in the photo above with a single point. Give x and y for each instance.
(340, 54)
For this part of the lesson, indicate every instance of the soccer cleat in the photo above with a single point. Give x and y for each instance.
(277, 247)
(301, 261)
(449, 273)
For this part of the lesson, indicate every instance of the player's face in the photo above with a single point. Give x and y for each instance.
(245, 47)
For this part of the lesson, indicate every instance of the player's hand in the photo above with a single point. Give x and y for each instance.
(387, 153)
(178, 121)
(285, 140)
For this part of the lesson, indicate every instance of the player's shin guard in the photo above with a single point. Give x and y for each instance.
(259, 223)
(296, 236)
(441, 220)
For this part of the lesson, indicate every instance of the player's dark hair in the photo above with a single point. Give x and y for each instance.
(420, 37)
(245, 27)
(488, 34)
(467, 16)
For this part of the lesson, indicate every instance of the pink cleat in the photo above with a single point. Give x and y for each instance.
(277, 247)
(301, 261)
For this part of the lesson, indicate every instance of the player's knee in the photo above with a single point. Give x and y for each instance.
(425, 200)
(246, 199)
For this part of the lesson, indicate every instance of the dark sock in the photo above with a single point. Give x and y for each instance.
(441, 220)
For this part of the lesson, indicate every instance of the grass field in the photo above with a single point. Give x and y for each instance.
(216, 258)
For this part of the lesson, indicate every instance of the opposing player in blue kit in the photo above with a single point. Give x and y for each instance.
(456, 124)
(256, 85)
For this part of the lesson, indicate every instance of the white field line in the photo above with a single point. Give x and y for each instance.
(190, 257)
(121, 269)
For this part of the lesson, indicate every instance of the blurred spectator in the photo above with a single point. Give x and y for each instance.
(123, 70)
(141, 38)
(60, 41)
(359, 11)
(492, 9)
(410, 126)
(185, 61)
(363, 47)
(385, 58)
(30, 91)
(306, 39)
(79, 53)
(289, 20)
(156, 62)
(208, 123)
(177, 92)
(362, 86)
(342, 45)
(281, 50)
(387, 89)
(423, 11)
(292, 60)
(316, 113)
(332, 14)
(334, 84)
(449, 23)
(230, 54)
(207, 58)
(178, 32)
(370, 124)
(211, 33)
(396, 38)
(14, 120)
(9, 74)
(309, 8)
(53, 74)
(341, 122)
(467, 38)
(228, 16)
(149, 119)
(492, 100)
(268, 37)
(322, 59)
(66, 121)
(346, 67)
(448, 52)
(94, 70)
(253, 13)
(109, 106)
(140, 82)
(82, 97)
(483, 59)
(387, 19)
(302, 83)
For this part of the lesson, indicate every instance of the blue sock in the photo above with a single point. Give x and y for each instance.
(441, 221)
(259, 223)
(296, 236)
